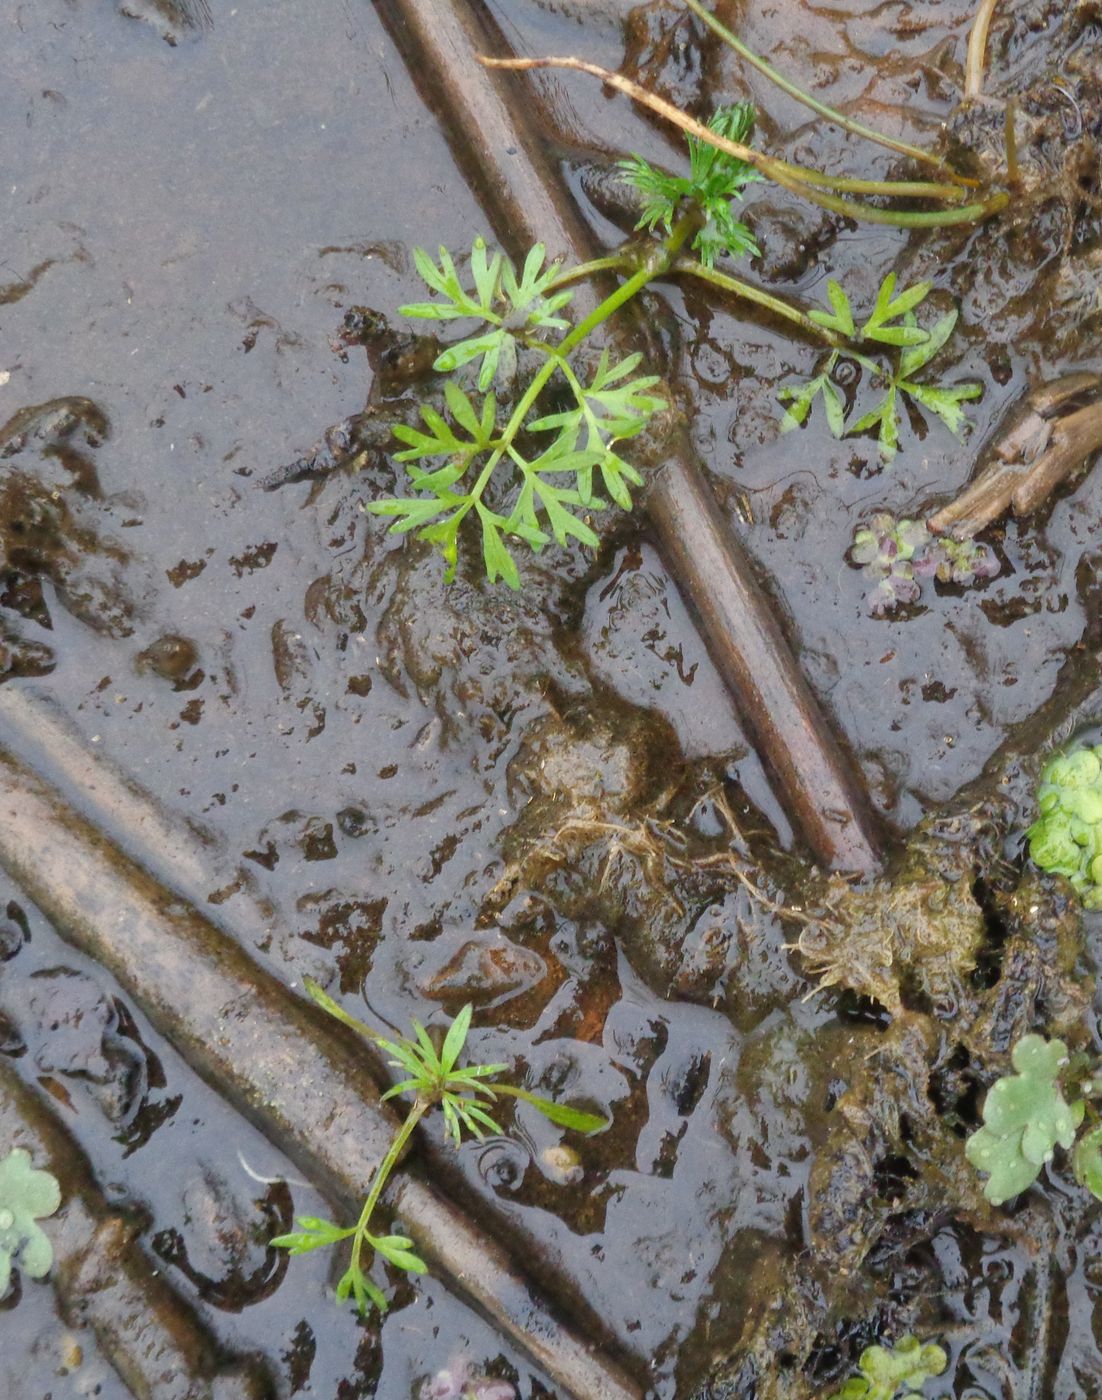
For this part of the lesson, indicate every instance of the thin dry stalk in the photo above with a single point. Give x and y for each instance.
(797, 179)
(977, 50)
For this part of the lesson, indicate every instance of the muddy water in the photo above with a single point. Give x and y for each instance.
(192, 197)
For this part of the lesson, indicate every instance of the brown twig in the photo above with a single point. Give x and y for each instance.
(1040, 445)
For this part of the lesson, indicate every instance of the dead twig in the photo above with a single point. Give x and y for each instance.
(1038, 446)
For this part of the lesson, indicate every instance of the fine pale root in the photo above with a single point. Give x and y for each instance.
(648, 840)
(977, 50)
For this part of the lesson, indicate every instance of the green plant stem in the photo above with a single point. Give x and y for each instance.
(386, 1166)
(831, 113)
(899, 218)
(901, 189)
(691, 268)
(614, 262)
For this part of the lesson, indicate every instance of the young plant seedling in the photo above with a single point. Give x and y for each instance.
(892, 324)
(897, 555)
(435, 1079)
(525, 466)
(504, 458)
(715, 179)
(531, 449)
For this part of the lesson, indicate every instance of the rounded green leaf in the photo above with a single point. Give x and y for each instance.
(1052, 846)
(1077, 769)
(26, 1195)
(1084, 803)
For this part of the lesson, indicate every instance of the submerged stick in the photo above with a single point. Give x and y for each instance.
(489, 118)
(277, 1058)
(105, 1281)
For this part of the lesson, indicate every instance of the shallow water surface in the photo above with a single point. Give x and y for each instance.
(193, 197)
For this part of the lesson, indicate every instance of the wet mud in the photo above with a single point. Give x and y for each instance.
(545, 803)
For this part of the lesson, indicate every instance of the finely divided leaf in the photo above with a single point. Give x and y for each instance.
(314, 1234)
(445, 280)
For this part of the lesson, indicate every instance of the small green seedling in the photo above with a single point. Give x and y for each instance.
(1026, 1116)
(529, 469)
(434, 1079)
(892, 323)
(715, 179)
(26, 1195)
(526, 467)
(451, 463)
(890, 1371)
(1066, 838)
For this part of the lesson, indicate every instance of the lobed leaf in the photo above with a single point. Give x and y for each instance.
(801, 397)
(890, 1371)
(397, 1250)
(890, 308)
(362, 1290)
(314, 1234)
(945, 402)
(1025, 1117)
(27, 1195)
(885, 415)
(840, 318)
(916, 356)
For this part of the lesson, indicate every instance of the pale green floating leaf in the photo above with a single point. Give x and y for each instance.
(26, 1195)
